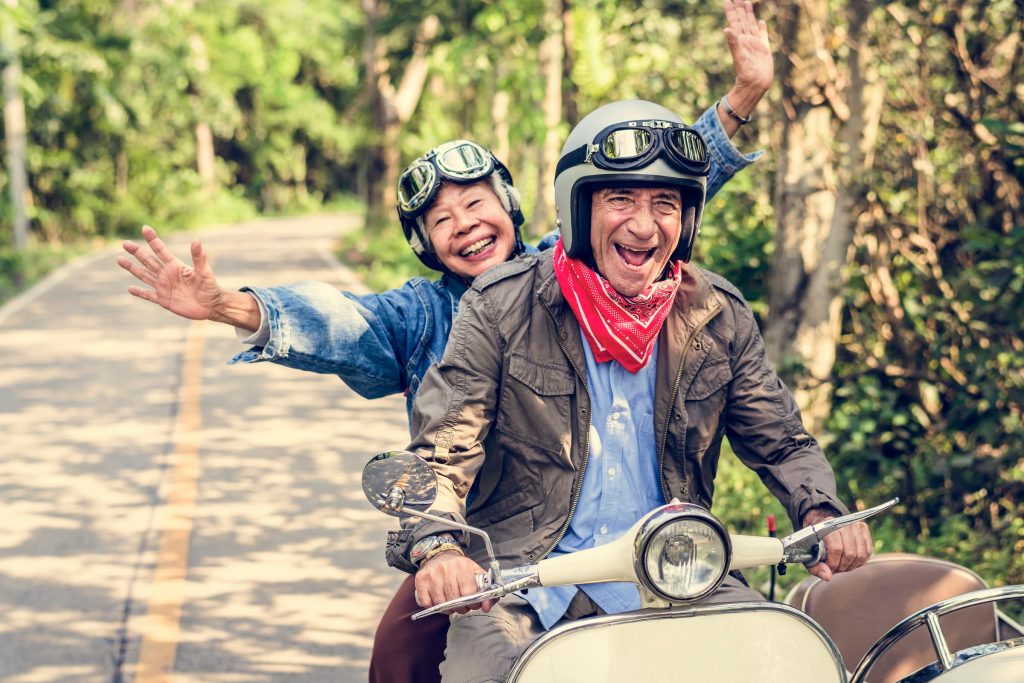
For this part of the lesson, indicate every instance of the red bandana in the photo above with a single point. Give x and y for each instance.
(616, 327)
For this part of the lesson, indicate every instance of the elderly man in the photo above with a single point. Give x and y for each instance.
(599, 379)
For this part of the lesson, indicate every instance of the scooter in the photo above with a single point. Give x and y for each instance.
(677, 555)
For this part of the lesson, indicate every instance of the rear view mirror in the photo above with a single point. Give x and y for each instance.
(399, 482)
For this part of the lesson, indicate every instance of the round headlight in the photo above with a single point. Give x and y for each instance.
(683, 553)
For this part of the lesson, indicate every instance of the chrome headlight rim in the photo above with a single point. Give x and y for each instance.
(660, 518)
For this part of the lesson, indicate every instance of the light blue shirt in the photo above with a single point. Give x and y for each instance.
(620, 485)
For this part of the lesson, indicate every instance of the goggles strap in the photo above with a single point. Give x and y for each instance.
(580, 155)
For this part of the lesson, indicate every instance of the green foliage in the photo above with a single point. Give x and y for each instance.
(736, 237)
(930, 373)
(19, 270)
(114, 98)
(382, 258)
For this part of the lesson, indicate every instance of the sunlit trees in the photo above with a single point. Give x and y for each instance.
(877, 239)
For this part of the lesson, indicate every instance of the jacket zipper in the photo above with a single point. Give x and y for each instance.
(586, 441)
(675, 394)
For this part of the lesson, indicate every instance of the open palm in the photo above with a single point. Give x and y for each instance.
(747, 38)
(189, 291)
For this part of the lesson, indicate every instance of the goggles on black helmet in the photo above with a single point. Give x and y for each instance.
(635, 144)
(460, 161)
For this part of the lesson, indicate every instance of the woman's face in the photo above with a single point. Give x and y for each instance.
(469, 228)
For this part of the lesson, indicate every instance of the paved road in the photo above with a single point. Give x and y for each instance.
(158, 503)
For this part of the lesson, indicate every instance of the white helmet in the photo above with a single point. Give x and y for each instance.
(629, 143)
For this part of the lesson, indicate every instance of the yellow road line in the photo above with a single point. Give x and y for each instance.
(161, 628)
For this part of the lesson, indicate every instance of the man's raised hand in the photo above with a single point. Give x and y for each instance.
(747, 38)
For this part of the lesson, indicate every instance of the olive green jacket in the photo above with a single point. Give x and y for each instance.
(512, 383)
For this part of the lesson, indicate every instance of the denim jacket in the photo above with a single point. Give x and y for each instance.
(381, 344)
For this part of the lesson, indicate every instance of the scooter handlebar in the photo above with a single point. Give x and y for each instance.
(493, 592)
(806, 545)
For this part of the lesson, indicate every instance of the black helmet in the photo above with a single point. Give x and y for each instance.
(623, 144)
(457, 161)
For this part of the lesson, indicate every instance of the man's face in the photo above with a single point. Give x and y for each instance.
(633, 232)
(469, 228)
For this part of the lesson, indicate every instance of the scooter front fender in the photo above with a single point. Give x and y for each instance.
(751, 641)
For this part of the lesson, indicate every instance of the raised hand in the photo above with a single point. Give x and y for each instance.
(189, 291)
(748, 42)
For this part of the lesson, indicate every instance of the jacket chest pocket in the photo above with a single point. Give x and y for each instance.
(705, 403)
(711, 376)
(535, 402)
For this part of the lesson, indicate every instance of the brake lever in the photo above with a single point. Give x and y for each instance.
(465, 601)
(806, 545)
(495, 592)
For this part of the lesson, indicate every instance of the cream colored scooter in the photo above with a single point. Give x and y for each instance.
(677, 555)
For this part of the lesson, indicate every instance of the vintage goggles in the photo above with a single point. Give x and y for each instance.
(461, 161)
(632, 145)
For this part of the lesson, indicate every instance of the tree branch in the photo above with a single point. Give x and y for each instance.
(411, 87)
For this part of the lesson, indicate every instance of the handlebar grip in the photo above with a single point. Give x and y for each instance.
(816, 555)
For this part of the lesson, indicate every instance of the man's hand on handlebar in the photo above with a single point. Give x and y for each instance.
(447, 576)
(845, 549)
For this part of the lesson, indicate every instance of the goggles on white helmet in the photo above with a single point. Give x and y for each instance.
(635, 144)
(456, 161)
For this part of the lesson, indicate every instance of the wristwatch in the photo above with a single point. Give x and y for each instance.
(428, 547)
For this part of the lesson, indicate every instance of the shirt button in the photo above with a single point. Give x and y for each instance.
(611, 471)
(604, 529)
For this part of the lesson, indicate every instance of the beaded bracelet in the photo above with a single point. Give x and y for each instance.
(441, 548)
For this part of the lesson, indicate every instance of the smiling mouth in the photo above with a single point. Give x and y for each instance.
(477, 247)
(634, 257)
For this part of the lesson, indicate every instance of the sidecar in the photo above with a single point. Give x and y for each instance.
(913, 619)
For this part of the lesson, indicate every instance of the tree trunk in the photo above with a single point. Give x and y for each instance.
(550, 55)
(817, 197)
(15, 131)
(390, 110)
(205, 157)
(121, 172)
(570, 107)
(500, 105)
(204, 134)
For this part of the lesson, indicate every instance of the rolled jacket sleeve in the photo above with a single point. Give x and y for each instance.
(312, 326)
(454, 411)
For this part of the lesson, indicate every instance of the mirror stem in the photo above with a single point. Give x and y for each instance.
(494, 568)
